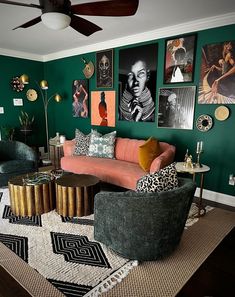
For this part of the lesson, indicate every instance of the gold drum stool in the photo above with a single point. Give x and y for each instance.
(31, 199)
(75, 194)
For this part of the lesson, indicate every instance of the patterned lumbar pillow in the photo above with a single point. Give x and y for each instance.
(163, 180)
(102, 146)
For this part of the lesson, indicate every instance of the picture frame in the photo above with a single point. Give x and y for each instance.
(216, 85)
(176, 107)
(80, 98)
(103, 108)
(137, 83)
(104, 69)
(179, 62)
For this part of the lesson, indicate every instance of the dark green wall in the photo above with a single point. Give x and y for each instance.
(219, 142)
(11, 67)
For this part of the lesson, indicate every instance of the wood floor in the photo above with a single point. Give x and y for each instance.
(215, 277)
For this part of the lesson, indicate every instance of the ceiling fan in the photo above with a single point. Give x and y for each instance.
(59, 14)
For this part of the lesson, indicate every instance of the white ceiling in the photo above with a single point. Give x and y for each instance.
(154, 19)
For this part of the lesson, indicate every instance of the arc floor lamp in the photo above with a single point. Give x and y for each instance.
(43, 87)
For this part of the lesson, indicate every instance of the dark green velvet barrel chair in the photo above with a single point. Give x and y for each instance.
(16, 158)
(143, 226)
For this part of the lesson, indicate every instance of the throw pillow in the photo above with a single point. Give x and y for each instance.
(82, 142)
(163, 180)
(102, 146)
(148, 152)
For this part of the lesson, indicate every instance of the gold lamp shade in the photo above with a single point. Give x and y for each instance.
(57, 98)
(44, 84)
(24, 79)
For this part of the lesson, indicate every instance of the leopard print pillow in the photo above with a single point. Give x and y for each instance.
(82, 142)
(163, 180)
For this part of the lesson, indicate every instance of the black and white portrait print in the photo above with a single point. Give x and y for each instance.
(137, 78)
(176, 107)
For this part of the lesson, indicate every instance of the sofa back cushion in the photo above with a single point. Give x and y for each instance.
(127, 149)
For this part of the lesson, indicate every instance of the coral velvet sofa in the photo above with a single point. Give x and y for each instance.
(124, 170)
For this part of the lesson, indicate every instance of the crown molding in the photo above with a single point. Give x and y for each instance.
(187, 27)
(21, 55)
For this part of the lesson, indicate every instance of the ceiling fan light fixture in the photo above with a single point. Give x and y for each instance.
(56, 20)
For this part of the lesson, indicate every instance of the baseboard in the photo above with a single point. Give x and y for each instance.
(217, 197)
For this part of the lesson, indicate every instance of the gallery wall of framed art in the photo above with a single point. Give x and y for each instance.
(61, 74)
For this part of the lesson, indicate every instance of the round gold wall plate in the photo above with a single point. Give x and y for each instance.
(31, 95)
(221, 113)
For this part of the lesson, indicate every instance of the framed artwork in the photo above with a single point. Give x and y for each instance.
(80, 98)
(137, 83)
(176, 107)
(103, 108)
(217, 76)
(179, 59)
(104, 69)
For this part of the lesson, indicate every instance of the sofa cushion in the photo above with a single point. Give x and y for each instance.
(126, 149)
(102, 146)
(117, 172)
(148, 152)
(82, 143)
(16, 166)
(164, 180)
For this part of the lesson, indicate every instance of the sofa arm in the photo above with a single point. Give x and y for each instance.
(164, 159)
(68, 147)
(24, 152)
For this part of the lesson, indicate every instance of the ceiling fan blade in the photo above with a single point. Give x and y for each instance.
(20, 4)
(30, 23)
(83, 26)
(107, 8)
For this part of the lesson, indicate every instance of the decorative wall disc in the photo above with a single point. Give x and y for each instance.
(222, 113)
(16, 84)
(204, 123)
(31, 95)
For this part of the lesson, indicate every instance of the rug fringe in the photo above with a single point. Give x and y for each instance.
(112, 280)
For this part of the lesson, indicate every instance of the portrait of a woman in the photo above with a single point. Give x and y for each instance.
(80, 98)
(218, 74)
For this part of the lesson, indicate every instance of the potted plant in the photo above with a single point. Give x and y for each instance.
(7, 133)
(26, 122)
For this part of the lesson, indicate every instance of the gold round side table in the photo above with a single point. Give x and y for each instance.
(75, 194)
(33, 199)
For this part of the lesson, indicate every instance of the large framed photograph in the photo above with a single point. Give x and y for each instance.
(137, 83)
(80, 98)
(217, 76)
(176, 107)
(103, 108)
(104, 69)
(179, 59)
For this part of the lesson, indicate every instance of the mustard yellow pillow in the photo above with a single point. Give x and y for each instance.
(148, 152)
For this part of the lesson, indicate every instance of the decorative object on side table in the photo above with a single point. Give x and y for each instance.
(199, 150)
(43, 87)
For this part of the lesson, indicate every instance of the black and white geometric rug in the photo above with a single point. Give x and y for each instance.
(63, 250)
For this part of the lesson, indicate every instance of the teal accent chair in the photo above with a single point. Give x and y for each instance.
(143, 226)
(16, 158)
